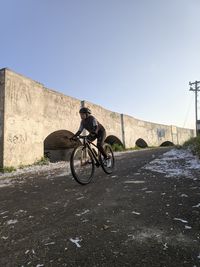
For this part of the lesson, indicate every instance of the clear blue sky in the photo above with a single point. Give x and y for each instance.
(130, 56)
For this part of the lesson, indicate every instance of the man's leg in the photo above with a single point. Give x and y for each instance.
(100, 141)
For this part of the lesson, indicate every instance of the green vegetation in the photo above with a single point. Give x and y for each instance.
(21, 166)
(134, 148)
(42, 161)
(7, 169)
(118, 147)
(141, 148)
(194, 145)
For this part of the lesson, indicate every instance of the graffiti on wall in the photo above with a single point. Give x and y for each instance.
(17, 138)
(161, 133)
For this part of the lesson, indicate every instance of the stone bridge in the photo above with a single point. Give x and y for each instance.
(35, 120)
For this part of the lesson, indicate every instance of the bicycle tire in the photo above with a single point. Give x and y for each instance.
(109, 151)
(82, 165)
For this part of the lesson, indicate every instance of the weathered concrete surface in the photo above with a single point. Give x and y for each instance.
(32, 113)
(34, 120)
(2, 92)
(129, 218)
(154, 134)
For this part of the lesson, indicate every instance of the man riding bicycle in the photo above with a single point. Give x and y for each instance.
(95, 129)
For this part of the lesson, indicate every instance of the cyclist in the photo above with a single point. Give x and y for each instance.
(95, 129)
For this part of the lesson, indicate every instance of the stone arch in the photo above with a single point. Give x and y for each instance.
(57, 145)
(141, 143)
(167, 143)
(115, 142)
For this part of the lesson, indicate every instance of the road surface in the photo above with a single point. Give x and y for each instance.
(134, 217)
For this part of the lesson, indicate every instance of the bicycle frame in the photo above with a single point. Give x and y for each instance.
(87, 143)
(84, 159)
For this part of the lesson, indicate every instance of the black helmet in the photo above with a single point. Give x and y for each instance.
(85, 110)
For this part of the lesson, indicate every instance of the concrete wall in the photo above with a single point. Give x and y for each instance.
(2, 92)
(153, 134)
(128, 129)
(33, 117)
(59, 112)
(32, 113)
(183, 135)
(23, 142)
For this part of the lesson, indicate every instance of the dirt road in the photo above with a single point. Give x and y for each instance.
(134, 217)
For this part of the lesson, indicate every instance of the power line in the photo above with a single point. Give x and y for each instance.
(187, 113)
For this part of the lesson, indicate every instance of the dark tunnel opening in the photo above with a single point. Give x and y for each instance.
(115, 142)
(58, 147)
(141, 143)
(166, 143)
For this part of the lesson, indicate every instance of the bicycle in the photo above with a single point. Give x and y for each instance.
(84, 158)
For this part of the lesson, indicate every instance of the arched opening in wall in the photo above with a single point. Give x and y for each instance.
(58, 147)
(114, 142)
(141, 143)
(167, 143)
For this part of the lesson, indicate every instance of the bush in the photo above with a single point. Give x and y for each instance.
(42, 161)
(7, 169)
(193, 144)
(118, 147)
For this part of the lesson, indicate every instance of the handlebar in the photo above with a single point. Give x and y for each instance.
(84, 138)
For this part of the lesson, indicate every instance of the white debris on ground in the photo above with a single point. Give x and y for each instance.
(170, 164)
(12, 222)
(8, 179)
(136, 213)
(181, 220)
(34, 169)
(76, 241)
(82, 213)
(38, 168)
(167, 164)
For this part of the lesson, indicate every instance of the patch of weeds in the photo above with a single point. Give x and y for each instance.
(7, 169)
(140, 148)
(134, 148)
(193, 144)
(118, 147)
(42, 161)
(21, 166)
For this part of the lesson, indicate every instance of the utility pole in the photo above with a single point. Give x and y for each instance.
(195, 88)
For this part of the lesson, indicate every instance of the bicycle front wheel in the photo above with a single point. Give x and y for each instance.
(82, 165)
(107, 165)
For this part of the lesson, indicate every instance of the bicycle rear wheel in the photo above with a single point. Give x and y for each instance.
(107, 165)
(82, 165)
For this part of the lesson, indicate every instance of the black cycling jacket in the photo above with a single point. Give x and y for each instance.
(91, 125)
